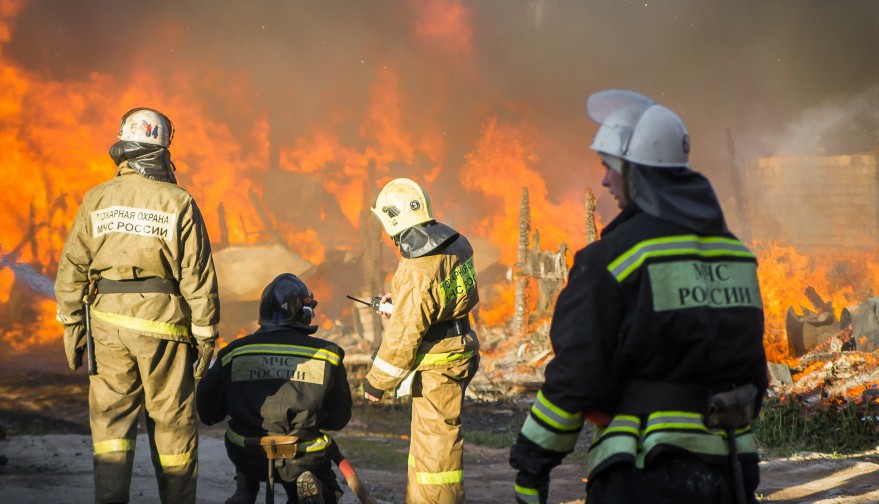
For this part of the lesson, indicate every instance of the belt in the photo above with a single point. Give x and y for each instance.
(447, 329)
(643, 397)
(155, 285)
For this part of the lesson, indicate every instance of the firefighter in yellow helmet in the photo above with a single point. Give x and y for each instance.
(428, 339)
(138, 257)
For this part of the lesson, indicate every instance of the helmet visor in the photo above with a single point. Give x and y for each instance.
(601, 105)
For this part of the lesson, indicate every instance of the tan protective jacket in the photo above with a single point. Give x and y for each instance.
(425, 290)
(132, 227)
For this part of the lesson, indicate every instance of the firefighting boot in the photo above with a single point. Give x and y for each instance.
(246, 490)
(309, 489)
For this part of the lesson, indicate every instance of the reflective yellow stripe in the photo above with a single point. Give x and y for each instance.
(311, 446)
(234, 437)
(528, 495)
(316, 444)
(114, 445)
(440, 478)
(411, 460)
(548, 439)
(303, 351)
(705, 246)
(143, 325)
(176, 460)
(432, 359)
(555, 416)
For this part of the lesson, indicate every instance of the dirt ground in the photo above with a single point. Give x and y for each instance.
(45, 454)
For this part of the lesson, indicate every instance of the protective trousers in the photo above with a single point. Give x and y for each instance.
(137, 371)
(672, 476)
(436, 449)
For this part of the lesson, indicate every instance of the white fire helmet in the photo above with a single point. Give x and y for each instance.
(401, 204)
(637, 129)
(146, 125)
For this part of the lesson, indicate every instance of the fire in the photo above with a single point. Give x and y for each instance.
(784, 274)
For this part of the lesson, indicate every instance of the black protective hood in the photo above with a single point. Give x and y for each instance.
(678, 195)
(422, 239)
(151, 161)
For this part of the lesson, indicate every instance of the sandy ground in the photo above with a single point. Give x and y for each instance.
(57, 469)
(45, 454)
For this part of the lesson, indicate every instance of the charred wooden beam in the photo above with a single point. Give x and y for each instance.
(591, 230)
(520, 315)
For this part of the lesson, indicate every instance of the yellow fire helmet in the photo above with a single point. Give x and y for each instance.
(146, 125)
(401, 204)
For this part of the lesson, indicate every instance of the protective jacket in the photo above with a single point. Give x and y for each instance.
(655, 318)
(130, 229)
(278, 381)
(434, 285)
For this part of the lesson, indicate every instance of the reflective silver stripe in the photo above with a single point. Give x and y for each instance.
(545, 438)
(620, 424)
(707, 443)
(234, 437)
(683, 429)
(528, 495)
(389, 369)
(555, 416)
(706, 246)
(674, 420)
(304, 351)
(211, 331)
(623, 443)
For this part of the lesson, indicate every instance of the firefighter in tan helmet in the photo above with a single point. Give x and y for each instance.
(138, 260)
(428, 344)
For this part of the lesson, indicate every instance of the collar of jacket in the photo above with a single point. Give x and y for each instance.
(150, 161)
(304, 329)
(627, 213)
(423, 239)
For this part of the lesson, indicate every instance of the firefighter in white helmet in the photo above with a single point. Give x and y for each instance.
(428, 338)
(657, 335)
(138, 255)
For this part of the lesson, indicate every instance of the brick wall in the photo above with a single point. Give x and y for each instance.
(815, 203)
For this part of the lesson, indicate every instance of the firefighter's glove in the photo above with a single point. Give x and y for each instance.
(531, 488)
(74, 344)
(371, 393)
(205, 353)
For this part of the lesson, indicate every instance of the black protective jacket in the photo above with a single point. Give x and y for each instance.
(651, 302)
(277, 381)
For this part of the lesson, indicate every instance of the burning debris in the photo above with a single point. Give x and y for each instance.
(835, 362)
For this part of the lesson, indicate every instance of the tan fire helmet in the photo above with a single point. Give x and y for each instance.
(401, 204)
(146, 125)
(637, 129)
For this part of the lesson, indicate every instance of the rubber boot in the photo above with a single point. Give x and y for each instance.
(246, 490)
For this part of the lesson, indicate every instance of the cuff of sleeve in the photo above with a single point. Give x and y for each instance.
(374, 392)
(205, 332)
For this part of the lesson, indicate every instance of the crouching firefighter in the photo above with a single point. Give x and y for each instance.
(283, 386)
(658, 335)
(136, 270)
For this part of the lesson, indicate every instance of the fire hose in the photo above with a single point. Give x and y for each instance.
(354, 482)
